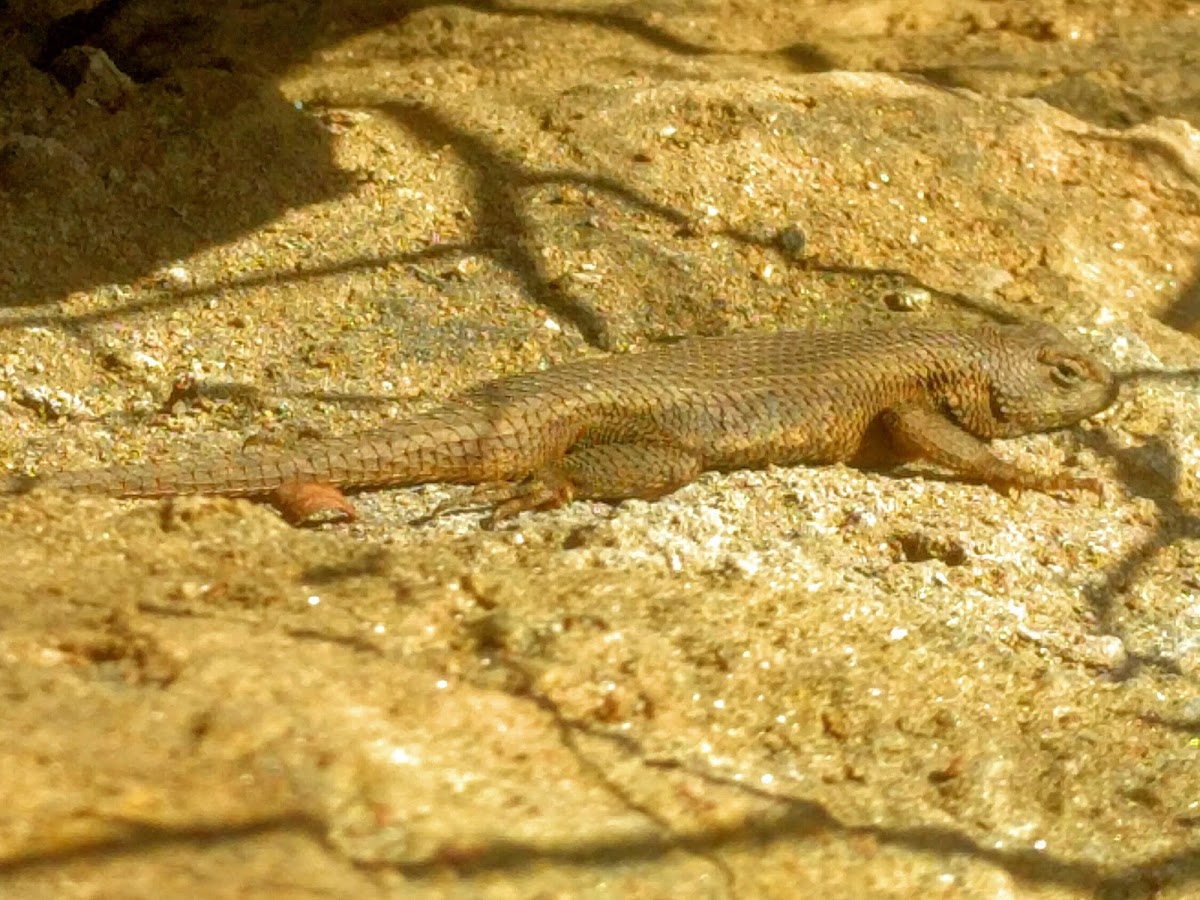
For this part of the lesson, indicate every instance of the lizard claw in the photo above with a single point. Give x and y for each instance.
(1065, 482)
(546, 490)
(507, 499)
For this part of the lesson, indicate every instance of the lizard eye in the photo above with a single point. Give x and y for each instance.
(1067, 373)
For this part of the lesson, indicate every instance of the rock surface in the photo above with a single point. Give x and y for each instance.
(767, 685)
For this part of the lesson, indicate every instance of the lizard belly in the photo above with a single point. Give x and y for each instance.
(764, 430)
(747, 431)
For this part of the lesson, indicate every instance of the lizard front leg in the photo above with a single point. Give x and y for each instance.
(918, 431)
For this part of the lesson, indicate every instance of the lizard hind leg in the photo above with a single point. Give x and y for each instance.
(609, 472)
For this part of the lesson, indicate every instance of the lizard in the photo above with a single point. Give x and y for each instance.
(641, 425)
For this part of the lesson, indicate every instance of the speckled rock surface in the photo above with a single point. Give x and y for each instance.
(768, 684)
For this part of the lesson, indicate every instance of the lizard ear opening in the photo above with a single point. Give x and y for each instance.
(998, 407)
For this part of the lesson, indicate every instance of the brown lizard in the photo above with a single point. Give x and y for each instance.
(642, 425)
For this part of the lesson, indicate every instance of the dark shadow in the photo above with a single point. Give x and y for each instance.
(1181, 726)
(1141, 472)
(1174, 522)
(781, 817)
(200, 151)
(370, 562)
(1184, 312)
(504, 229)
(170, 174)
(206, 149)
(808, 58)
(131, 838)
(789, 819)
(631, 25)
(799, 820)
(174, 298)
(359, 643)
(500, 217)
(232, 154)
(792, 819)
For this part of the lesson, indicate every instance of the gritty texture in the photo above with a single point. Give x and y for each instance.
(645, 424)
(794, 681)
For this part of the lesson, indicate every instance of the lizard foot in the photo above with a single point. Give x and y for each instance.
(1051, 483)
(546, 490)
(309, 503)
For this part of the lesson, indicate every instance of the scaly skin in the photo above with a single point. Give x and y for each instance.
(642, 425)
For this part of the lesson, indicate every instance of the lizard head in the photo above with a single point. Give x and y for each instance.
(1039, 381)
